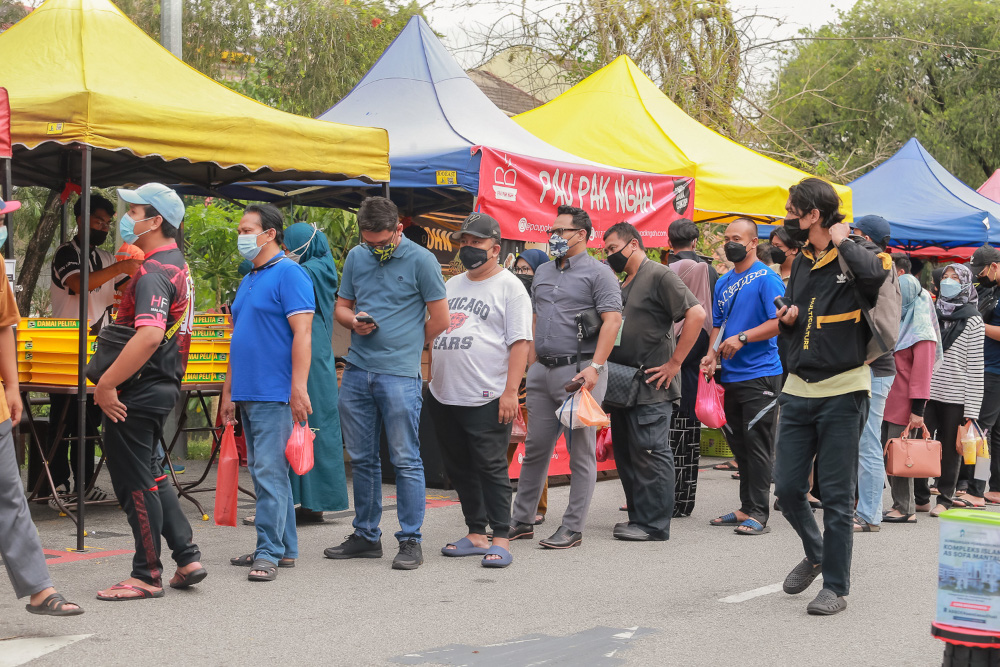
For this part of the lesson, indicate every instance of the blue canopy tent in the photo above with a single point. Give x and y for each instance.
(434, 113)
(924, 203)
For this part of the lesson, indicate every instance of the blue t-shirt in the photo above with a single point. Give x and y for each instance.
(260, 355)
(747, 299)
(395, 294)
(991, 348)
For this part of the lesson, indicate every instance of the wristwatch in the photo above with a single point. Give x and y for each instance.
(597, 367)
(742, 338)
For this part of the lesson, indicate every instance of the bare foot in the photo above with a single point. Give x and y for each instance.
(993, 497)
(40, 596)
(498, 542)
(114, 592)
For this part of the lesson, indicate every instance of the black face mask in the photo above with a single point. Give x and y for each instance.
(795, 231)
(98, 236)
(526, 280)
(778, 256)
(618, 260)
(735, 252)
(472, 258)
(986, 281)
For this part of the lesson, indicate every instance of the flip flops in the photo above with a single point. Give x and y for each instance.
(504, 560)
(726, 520)
(728, 465)
(260, 565)
(962, 503)
(191, 578)
(143, 594)
(753, 526)
(53, 605)
(464, 547)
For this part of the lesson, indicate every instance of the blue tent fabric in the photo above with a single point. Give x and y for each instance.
(924, 203)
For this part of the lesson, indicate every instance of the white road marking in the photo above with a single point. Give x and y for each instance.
(14, 652)
(755, 593)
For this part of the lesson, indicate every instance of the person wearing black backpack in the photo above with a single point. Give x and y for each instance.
(825, 400)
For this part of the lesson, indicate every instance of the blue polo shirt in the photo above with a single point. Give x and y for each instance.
(260, 355)
(747, 300)
(395, 293)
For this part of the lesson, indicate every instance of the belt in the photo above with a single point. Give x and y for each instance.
(556, 362)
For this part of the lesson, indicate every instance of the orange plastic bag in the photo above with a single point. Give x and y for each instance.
(227, 480)
(519, 430)
(580, 410)
(299, 450)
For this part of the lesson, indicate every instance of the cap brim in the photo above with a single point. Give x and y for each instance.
(10, 207)
(131, 196)
(457, 236)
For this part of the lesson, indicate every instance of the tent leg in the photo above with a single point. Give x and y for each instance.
(8, 193)
(385, 190)
(81, 386)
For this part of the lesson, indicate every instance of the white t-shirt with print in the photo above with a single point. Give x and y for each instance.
(469, 359)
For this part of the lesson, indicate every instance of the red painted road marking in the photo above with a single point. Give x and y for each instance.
(72, 556)
(433, 501)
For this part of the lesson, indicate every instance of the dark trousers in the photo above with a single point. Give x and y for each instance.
(474, 450)
(640, 436)
(988, 422)
(144, 492)
(829, 430)
(750, 409)
(943, 419)
(68, 449)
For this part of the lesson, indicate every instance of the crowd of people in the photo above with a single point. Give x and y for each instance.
(825, 343)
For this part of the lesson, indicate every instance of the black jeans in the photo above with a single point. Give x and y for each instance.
(988, 415)
(943, 420)
(474, 450)
(750, 409)
(828, 429)
(640, 436)
(144, 492)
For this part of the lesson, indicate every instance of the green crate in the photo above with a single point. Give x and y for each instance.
(713, 443)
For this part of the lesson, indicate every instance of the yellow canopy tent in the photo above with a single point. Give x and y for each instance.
(80, 73)
(618, 116)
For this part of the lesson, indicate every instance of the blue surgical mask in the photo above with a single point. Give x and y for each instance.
(126, 227)
(558, 246)
(3, 235)
(950, 288)
(247, 245)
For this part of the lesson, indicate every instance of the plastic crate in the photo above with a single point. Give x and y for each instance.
(713, 443)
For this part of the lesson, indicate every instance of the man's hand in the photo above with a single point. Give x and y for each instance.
(916, 423)
(708, 364)
(663, 375)
(787, 316)
(128, 266)
(362, 328)
(730, 347)
(589, 377)
(508, 406)
(301, 406)
(13, 395)
(227, 409)
(839, 232)
(107, 398)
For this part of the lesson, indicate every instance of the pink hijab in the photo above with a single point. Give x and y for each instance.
(694, 274)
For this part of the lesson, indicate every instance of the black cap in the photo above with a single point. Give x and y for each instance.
(982, 258)
(480, 225)
(874, 227)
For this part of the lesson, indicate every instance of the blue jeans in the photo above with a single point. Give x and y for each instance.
(871, 464)
(267, 426)
(367, 401)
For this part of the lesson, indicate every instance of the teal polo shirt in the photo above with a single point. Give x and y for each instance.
(395, 294)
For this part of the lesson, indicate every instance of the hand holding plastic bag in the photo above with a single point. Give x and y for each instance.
(299, 450)
(708, 407)
(227, 480)
(519, 430)
(581, 410)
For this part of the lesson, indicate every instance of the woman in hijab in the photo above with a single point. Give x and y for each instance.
(918, 354)
(957, 384)
(324, 488)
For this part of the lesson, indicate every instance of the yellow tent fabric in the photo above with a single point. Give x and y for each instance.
(618, 116)
(80, 72)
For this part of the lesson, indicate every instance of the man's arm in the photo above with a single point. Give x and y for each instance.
(611, 322)
(515, 371)
(301, 325)
(226, 407)
(343, 312)
(135, 353)
(97, 278)
(993, 332)
(694, 318)
(8, 371)
(532, 353)
(437, 320)
(869, 269)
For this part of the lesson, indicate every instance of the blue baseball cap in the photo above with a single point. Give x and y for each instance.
(874, 227)
(9, 207)
(160, 197)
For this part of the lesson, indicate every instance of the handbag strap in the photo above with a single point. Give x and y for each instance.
(169, 333)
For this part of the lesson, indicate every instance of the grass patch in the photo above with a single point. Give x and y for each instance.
(199, 449)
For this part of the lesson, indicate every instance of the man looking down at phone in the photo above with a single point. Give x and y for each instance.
(825, 401)
(574, 283)
(392, 298)
(743, 338)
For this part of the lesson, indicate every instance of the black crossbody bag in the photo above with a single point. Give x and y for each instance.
(623, 380)
(113, 338)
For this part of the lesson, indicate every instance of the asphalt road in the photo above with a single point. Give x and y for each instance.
(693, 600)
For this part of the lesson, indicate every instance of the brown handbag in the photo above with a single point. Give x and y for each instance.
(909, 457)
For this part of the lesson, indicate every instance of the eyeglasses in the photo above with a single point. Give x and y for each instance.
(561, 230)
(385, 244)
(521, 270)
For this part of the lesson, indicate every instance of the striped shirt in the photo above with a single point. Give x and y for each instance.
(959, 379)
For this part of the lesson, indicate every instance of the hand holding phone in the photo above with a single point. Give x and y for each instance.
(364, 324)
(782, 302)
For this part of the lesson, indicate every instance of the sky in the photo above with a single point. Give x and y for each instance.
(793, 15)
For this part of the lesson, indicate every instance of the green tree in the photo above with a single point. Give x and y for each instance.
(210, 249)
(850, 94)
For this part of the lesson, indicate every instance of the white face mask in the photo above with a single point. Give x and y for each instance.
(296, 255)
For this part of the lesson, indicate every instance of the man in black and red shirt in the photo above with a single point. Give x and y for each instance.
(156, 304)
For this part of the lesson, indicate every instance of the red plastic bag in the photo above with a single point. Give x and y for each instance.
(227, 480)
(519, 430)
(299, 450)
(604, 451)
(708, 406)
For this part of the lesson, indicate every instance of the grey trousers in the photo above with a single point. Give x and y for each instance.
(19, 544)
(545, 395)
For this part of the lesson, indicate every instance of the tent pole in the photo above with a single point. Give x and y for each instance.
(64, 223)
(8, 192)
(81, 384)
(385, 190)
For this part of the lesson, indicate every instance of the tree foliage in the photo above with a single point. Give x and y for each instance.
(855, 91)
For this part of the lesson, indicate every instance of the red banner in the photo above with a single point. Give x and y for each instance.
(560, 461)
(523, 193)
(4, 124)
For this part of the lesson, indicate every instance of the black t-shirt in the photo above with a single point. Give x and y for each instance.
(654, 300)
(157, 296)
